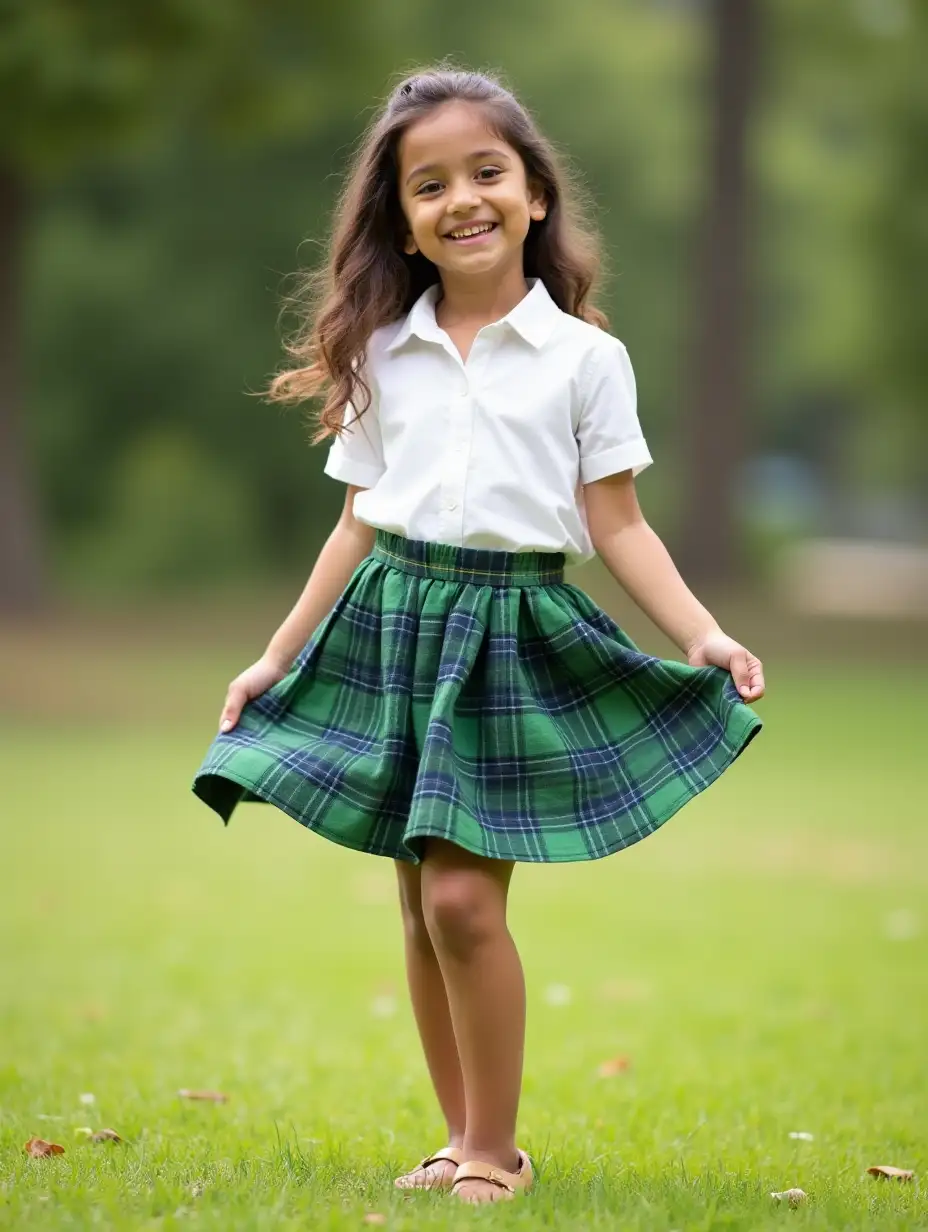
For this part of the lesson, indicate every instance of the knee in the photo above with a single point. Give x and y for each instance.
(459, 912)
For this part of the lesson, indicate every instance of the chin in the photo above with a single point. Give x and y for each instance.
(485, 259)
(476, 267)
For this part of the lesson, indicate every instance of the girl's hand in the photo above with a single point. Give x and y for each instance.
(252, 682)
(746, 669)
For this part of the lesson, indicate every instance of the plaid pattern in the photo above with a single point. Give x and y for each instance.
(475, 696)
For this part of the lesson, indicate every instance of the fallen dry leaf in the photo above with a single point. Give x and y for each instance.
(792, 1196)
(215, 1097)
(105, 1135)
(615, 1065)
(374, 1217)
(887, 1172)
(39, 1148)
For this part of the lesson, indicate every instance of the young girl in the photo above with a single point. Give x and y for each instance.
(439, 695)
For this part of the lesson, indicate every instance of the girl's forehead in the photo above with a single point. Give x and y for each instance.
(454, 131)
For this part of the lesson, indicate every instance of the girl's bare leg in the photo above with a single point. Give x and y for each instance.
(430, 1006)
(464, 904)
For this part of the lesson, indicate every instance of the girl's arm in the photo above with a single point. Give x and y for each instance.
(344, 550)
(638, 560)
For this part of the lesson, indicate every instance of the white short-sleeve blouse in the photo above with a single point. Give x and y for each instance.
(494, 452)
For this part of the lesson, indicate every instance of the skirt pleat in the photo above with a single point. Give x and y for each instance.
(474, 696)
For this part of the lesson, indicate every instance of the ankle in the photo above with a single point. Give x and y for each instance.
(505, 1156)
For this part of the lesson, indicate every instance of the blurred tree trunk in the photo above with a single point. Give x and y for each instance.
(20, 564)
(716, 392)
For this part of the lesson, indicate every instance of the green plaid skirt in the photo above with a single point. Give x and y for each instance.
(475, 696)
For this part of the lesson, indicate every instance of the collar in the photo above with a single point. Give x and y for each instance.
(533, 317)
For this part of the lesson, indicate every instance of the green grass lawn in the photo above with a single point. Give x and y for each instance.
(762, 962)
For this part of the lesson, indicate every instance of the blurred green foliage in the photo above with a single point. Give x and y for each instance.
(181, 154)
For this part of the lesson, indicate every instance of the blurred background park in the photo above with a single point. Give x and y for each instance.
(759, 169)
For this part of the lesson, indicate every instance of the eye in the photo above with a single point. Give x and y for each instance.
(490, 172)
(427, 189)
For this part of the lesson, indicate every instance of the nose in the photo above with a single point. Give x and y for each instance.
(463, 196)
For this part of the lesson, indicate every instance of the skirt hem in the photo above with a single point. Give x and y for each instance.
(749, 726)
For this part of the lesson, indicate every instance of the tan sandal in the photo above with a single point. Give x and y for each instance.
(443, 1181)
(510, 1182)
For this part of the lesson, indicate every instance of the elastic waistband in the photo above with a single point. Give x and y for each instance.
(480, 566)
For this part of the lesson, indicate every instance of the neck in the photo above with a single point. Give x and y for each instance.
(469, 300)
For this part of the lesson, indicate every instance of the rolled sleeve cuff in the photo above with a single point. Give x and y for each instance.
(632, 456)
(350, 471)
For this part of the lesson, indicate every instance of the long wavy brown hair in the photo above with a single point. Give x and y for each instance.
(369, 281)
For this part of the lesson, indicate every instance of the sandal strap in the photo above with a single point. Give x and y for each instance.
(451, 1153)
(476, 1170)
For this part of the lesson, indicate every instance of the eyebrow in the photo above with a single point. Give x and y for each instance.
(416, 171)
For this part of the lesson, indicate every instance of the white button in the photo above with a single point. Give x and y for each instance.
(452, 504)
(464, 393)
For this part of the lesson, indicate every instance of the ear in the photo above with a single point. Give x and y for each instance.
(410, 247)
(537, 205)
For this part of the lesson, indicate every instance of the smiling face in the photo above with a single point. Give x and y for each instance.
(464, 193)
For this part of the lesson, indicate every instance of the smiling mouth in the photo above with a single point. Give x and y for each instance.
(471, 232)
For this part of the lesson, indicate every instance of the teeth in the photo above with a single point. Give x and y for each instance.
(466, 231)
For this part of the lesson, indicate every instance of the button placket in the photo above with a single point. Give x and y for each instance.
(454, 470)
(461, 416)
(476, 361)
